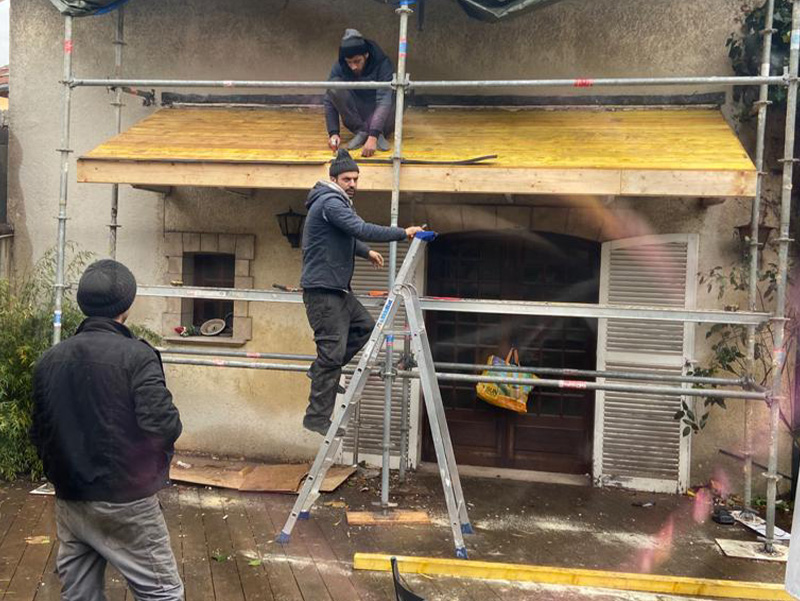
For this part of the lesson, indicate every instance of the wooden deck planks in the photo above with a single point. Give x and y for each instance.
(32, 565)
(254, 579)
(196, 570)
(13, 546)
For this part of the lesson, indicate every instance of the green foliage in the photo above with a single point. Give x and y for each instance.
(744, 51)
(26, 330)
(729, 341)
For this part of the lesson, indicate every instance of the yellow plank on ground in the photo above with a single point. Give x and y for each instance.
(378, 518)
(674, 585)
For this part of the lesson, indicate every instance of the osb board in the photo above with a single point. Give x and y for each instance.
(252, 477)
(683, 140)
(743, 549)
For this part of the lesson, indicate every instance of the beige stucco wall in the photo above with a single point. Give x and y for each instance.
(258, 413)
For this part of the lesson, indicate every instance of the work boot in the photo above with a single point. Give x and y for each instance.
(358, 141)
(321, 427)
(383, 143)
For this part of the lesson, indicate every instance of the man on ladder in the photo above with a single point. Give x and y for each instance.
(333, 236)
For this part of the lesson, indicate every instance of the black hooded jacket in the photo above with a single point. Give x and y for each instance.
(378, 68)
(333, 235)
(104, 423)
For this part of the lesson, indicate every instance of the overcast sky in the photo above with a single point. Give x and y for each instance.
(4, 32)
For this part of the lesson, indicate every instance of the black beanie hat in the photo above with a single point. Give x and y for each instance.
(353, 44)
(107, 289)
(342, 163)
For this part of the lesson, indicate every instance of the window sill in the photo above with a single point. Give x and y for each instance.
(225, 341)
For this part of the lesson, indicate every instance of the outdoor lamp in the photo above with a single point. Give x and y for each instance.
(291, 225)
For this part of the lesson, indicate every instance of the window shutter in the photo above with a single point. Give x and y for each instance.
(365, 279)
(638, 444)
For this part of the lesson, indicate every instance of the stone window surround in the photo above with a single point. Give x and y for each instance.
(177, 246)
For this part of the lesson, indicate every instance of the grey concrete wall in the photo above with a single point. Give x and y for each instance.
(256, 413)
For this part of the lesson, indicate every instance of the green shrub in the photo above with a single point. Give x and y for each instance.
(26, 330)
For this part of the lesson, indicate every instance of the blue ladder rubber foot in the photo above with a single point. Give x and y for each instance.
(426, 236)
(282, 538)
(461, 553)
(467, 529)
(304, 515)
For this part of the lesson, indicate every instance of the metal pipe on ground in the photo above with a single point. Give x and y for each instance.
(779, 352)
(61, 244)
(755, 221)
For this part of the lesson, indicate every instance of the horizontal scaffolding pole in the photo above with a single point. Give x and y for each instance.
(755, 80)
(504, 307)
(552, 371)
(587, 373)
(211, 83)
(582, 385)
(448, 377)
(603, 82)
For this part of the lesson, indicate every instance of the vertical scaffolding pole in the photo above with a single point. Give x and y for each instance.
(779, 353)
(119, 42)
(61, 247)
(404, 11)
(763, 103)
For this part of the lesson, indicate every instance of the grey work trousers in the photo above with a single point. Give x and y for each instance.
(132, 537)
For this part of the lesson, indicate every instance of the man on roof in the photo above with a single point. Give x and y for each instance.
(368, 114)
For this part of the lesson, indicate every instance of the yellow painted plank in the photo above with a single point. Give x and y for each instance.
(683, 140)
(674, 585)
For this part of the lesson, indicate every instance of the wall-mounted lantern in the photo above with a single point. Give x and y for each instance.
(743, 235)
(291, 225)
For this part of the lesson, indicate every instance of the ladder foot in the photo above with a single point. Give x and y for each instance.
(461, 553)
(282, 538)
(467, 529)
(304, 515)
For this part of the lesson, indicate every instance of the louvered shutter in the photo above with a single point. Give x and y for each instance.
(638, 443)
(365, 279)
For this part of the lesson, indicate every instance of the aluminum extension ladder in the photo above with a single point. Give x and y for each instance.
(421, 350)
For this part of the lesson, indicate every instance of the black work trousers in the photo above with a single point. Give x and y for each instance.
(356, 113)
(341, 327)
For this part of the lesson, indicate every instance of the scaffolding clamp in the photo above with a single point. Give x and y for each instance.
(406, 82)
(64, 150)
(775, 477)
(769, 31)
(758, 103)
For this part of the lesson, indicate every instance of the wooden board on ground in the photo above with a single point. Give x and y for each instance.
(274, 478)
(252, 477)
(336, 476)
(745, 549)
(378, 518)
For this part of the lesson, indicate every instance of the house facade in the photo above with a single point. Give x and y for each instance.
(553, 246)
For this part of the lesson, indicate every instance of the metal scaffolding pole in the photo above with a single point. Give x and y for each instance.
(779, 353)
(61, 248)
(119, 43)
(453, 377)
(397, 160)
(712, 80)
(763, 103)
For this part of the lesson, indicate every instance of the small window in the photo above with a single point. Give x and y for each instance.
(212, 270)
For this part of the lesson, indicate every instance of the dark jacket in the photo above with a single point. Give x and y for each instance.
(332, 237)
(378, 68)
(104, 423)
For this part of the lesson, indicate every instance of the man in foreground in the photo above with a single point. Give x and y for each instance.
(104, 425)
(369, 114)
(333, 236)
